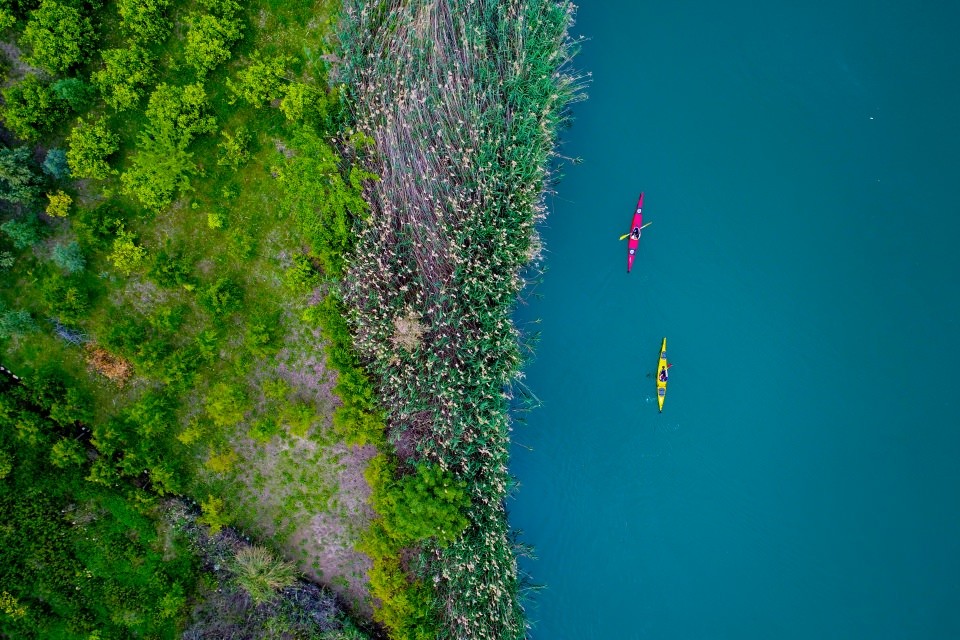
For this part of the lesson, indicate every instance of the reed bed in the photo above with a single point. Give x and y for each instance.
(462, 100)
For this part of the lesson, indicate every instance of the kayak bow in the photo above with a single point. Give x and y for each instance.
(662, 368)
(635, 227)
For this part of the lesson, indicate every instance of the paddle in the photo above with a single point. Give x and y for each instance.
(627, 235)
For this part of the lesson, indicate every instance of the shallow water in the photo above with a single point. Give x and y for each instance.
(800, 166)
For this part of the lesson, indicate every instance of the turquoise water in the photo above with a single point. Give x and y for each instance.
(801, 166)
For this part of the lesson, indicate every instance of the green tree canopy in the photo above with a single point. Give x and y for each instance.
(18, 181)
(145, 20)
(90, 144)
(58, 36)
(125, 75)
(31, 107)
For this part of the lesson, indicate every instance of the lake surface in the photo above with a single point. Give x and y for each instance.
(801, 165)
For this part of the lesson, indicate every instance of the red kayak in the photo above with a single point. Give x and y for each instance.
(634, 240)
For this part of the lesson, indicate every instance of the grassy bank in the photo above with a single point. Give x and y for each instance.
(462, 100)
(172, 206)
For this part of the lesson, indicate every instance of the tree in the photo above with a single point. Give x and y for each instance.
(124, 77)
(18, 182)
(23, 233)
(209, 41)
(69, 257)
(179, 113)
(58, 36)
(90, 144)
(160, 170)
(163, 166)
(259, 82)
(145, 20)
(32, 108)
(78, 95)
(59, 206)
(55, 164)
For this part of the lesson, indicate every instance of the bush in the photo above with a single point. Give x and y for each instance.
(259, 82)
(15, 323)
(69, 257)
(171, 269)
(214, 514)
(66, 453)
(90, 144)
(99, 226)
(127, 256)
(23, 233)
(226, 404)
(58, 36)
(7, 260)
(221, 298)
(18, 182)
(59, 206)
(125, 76)
(76, 93)
(64, 298)
(32, 108)
(235, 149)
(55, 164)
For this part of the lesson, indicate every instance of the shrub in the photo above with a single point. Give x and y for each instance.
(76, 93)
(226, 404)
(15, 323)
(234, 150)
(260, 80)
(23, 233)
(18, 182)
(427, 504)
(55, 164)
(209, 41)
(99, 226)
(221, 298)
(125, 76)
(145, 20)
(66, 453)
(127, 256)
(214, 514)
(303, 103)
(90, 144)
(59, 206)
(171, 269)
(261, 574)
(58, 36)
(222, 462)
(7, 260)
(32, 108)
(64, 298)
(69, 257)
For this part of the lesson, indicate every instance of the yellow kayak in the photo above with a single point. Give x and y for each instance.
(662, 375)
